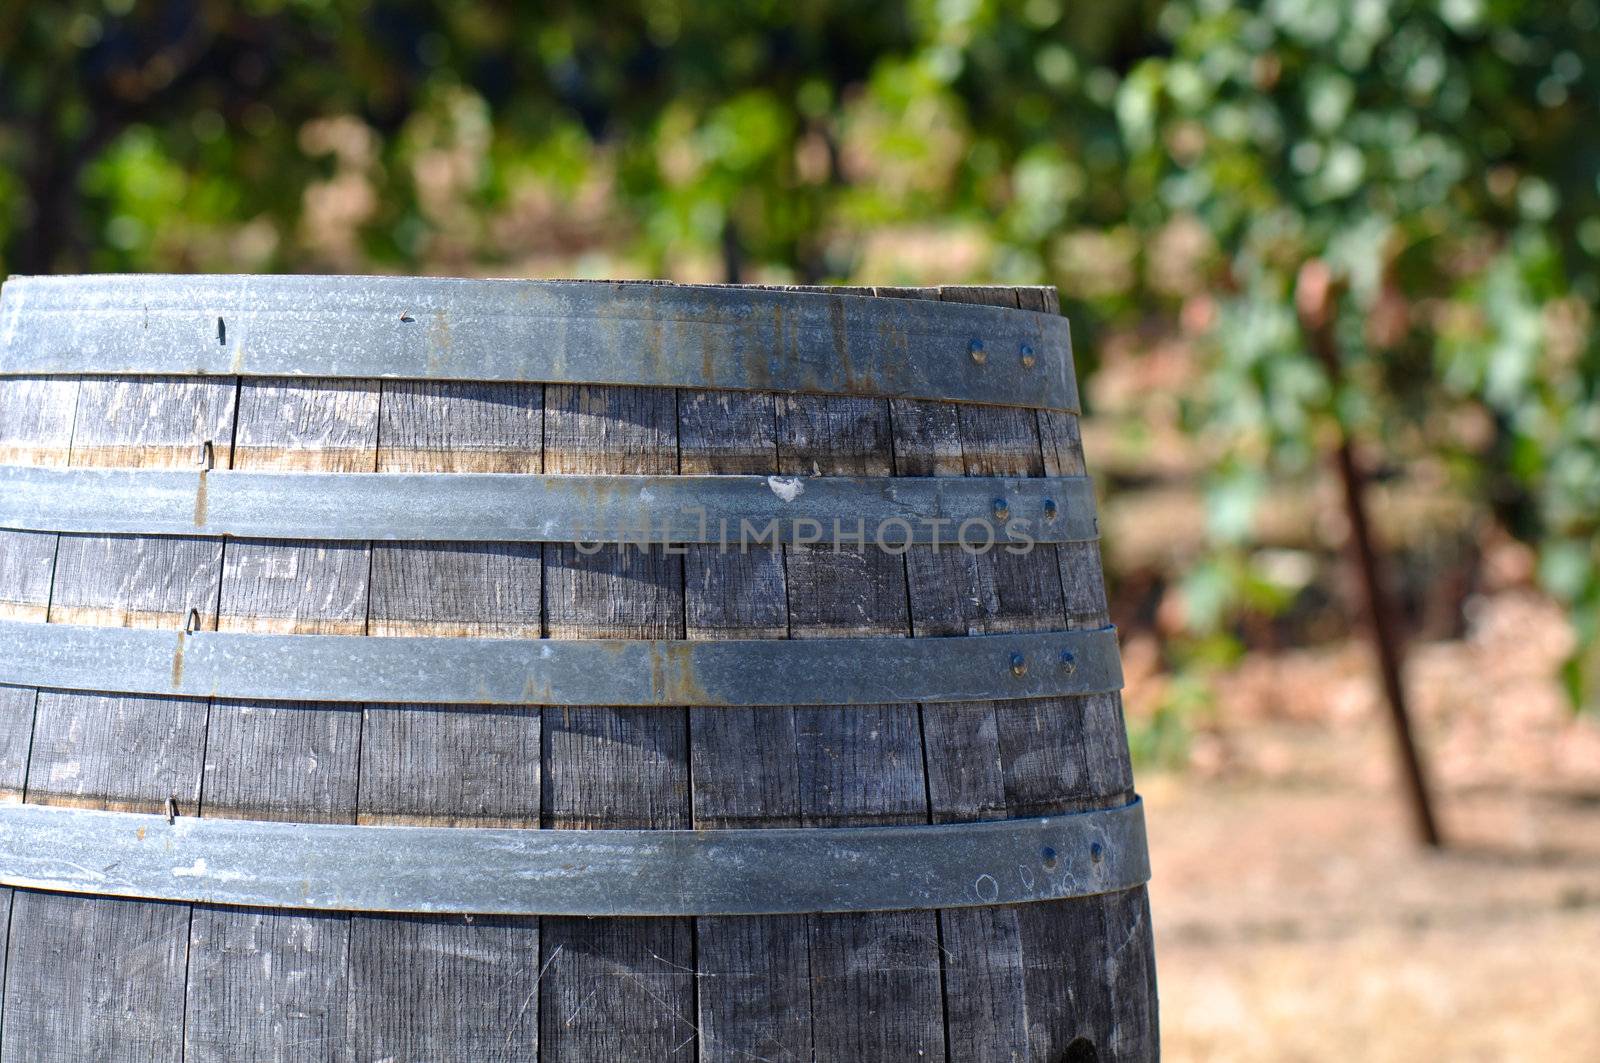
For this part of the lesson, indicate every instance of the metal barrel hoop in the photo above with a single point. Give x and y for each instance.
(493, 871)
(748, 511)
(564, 332)
(648, 673)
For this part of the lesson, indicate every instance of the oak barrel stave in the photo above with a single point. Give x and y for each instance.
(428, 765)
(754, 992)
(616, 989)
(81, 971)
(1034, 982)
(269, 984)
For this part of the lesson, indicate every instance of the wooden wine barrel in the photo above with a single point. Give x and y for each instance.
(402, 756)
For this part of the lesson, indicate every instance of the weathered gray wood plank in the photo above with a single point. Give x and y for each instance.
(1055, 755)
(755, 992)
(953, 592)
(129, 581)
(1132, 1026)
(875, 979)
(174, 419)
(1038, 741)
(956, 593)
(94, 979)
(451, 990)
(307, 425)
(27, 560)
(114, 751)
(614, 989)
(1059, 432)
(1015, 758)
(426, 426)
(35, 429)
(16, 736)
(5, 936)
(270, 984)
(445, 990)
(69, 994)
(36, 419)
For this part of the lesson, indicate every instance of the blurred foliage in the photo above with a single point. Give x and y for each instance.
(1440, 158)
(759, 139)
(1162, 161)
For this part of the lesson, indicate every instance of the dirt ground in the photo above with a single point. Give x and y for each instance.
(1295, 918)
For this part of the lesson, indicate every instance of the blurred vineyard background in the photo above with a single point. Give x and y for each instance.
(1172, 166)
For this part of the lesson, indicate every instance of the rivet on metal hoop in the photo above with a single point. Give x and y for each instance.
(978, 354)
(1050, 509)
(1027, 356)
(1069, 663)
(1097, 852)
(1002, 510)
(1019, 665)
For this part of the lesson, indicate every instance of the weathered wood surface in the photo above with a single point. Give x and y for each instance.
(268, 984)
(35, 428)
(1038, 978)
(1071, 980)
(614, 989)
(754, 973)
(953, 592)
(416, 984)
(876, 991)
(87, 978)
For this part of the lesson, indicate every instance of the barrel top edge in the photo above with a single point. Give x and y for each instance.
(861, 291)
(129, 287)
(624, 334)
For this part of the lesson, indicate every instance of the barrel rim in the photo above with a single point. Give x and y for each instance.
(562, 332)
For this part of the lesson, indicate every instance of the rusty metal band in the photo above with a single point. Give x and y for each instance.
(563, 332)
(490, 871)
(509, 671)
(736, 511)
